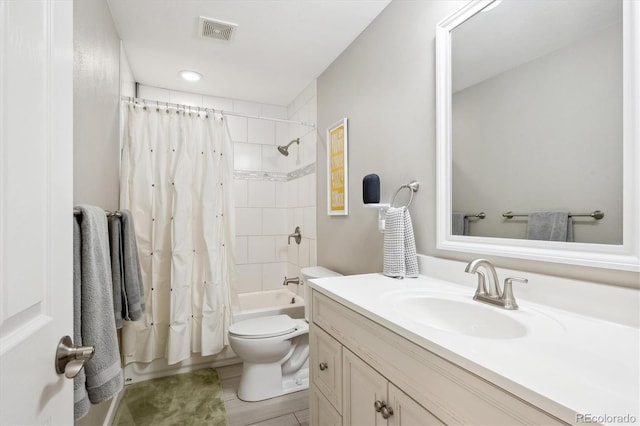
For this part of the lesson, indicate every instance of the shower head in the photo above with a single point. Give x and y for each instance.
(284, 149)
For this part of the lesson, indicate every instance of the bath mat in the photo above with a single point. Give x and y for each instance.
(184, 399)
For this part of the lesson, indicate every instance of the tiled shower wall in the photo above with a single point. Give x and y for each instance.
(273, 193)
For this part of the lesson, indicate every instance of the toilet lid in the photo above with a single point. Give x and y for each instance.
(271, 326)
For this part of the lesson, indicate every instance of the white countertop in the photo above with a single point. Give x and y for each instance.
(566, 364)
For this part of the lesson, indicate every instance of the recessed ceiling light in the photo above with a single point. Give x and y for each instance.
(190, 75)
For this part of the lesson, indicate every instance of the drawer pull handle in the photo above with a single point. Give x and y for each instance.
(379, 405)
(386, 412)
(323, 366)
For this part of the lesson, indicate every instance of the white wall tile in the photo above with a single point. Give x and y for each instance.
(303, 191)
(247, 156)
(298, 219)
(261, 131)
(282, 134)
(249, 278)
(303, 253)
(292, 189)
(261, 249)
(274, 222)
(293, 270)
(241, 250)
(282, 248)
(293, 253)
(261, 193)
(237, 128)
(248, 221)
(273, 275)
(312, 189)
(244, 107)
(313, 253)
(154, 93)
(274, 111)
(224, 104)
(272, 160)
(309, 222)
(240, 192)
(282, 194)
(184, 98)
(308, 148)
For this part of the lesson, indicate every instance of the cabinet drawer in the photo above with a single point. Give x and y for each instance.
(325, 360)
(322, 412)
(453, 394)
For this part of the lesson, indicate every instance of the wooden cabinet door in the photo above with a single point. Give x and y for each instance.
(362, 387)
(322, 412)
(407, 412)
(325, 361)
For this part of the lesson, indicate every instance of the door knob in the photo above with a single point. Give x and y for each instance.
(323, 366)
(71, 358)
(379, 405)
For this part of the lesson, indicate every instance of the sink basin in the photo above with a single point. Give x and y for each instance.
(460, 316)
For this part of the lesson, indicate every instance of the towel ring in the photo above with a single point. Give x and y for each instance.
(413, 186)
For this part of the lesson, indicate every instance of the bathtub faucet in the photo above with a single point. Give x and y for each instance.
(294, 280)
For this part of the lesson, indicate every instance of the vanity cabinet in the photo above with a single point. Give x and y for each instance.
(372, 363)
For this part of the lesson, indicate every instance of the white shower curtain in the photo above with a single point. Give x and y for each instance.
(176, 178)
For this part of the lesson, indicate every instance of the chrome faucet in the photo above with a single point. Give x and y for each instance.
(488, 290)
(294, 280)
(297, 236)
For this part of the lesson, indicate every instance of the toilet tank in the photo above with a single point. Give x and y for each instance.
(309, 274)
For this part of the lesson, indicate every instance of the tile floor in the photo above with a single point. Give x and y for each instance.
(286, 410)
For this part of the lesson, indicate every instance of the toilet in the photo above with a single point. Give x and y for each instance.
(275, 349)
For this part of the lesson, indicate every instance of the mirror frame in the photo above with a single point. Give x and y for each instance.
(621, 257)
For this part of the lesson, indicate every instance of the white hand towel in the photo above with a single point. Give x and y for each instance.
(400, 258)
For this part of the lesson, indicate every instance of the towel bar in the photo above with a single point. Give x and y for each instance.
(413, 186)
(76, 212)
(596, 214)
(480, 215)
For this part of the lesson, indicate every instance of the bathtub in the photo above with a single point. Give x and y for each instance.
(252, 305)
(270, 302)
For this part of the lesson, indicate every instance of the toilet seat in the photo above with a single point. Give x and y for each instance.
(263, 327)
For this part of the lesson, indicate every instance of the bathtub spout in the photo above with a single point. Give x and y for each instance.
(294, 280)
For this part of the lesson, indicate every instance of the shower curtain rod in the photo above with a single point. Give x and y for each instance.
(148, 102)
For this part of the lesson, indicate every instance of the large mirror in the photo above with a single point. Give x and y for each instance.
(537, 135)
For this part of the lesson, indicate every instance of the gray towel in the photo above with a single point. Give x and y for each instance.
(133, 289)
(459, 224)
(400, 258)
(550, 226)
(80, 397)
(103, 371)
(117, 273)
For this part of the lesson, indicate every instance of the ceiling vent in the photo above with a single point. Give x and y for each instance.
(212, 28)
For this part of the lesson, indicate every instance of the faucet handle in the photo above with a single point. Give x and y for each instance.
(507, 292)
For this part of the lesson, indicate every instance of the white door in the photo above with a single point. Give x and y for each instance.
(36, 200)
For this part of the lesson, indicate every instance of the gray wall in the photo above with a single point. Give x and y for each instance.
(385, 84)
(95, 98)
(96, 143)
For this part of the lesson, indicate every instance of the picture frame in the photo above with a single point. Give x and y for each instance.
(338, 169)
